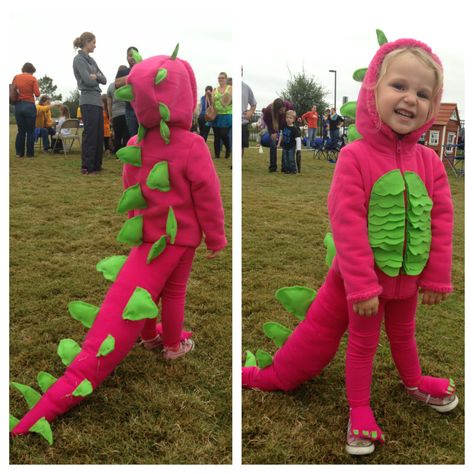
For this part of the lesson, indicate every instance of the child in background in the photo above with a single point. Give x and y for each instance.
(107, 132)
(287, 141)
(391, 215)
(44, 121)
(56, 143)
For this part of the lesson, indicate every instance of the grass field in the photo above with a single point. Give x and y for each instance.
(284, 223)
(149, 411)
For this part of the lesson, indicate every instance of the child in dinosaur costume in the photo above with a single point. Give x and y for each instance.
(391, 216)
(172, 197)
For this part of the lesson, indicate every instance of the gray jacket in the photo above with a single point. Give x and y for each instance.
(83, 66)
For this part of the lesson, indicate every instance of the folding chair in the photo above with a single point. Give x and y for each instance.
(69, 131)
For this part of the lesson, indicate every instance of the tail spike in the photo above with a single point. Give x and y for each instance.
(30, 395)
(276, 332)
(45, 380)
(68, 349)
(43, 428)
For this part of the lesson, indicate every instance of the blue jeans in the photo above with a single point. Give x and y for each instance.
(44, 133)
(273, 155)
(334, 134)
(288, 161)
(132, 122)
(311, 136)
(25, 115)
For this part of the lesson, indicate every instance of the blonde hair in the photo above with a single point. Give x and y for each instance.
(81, 41)
(291, 113)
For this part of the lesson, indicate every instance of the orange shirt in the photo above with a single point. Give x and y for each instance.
(106, 125)
(27, 86)
(312, 119)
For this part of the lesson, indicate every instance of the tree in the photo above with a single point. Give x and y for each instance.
(47, 87)
(72, 102)
(304, 92)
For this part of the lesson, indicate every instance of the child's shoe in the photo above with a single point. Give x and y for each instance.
(362, 432)
(438, 394)
(358, 446)
(179, 350)
(153, 344)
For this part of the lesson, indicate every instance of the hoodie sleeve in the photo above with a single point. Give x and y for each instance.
(205, 190)
(436, 275)
(347, 205)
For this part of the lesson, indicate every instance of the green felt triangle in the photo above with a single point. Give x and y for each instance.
(132, 198)
(160, 75)
(381, 38)
(45, 380)
(136, 56)
(250, 360)
(107, 346)
(264, 359)
(276, 332)
(171, 225)
(164, 112)
(156, 249)
(164, 132)
(30, 395)
(296, 299)
(359, 74)
(349, 109)
(175, 52)
(83, 312)
(352, 133)
(158, 178)
(111, 266)
(83, 389)
(131, 155)
(131, 232)
(13, 422)
(141, 133)
(43, 428)
(140, 306)
(124, 93)
(330, 248)
(68, 349)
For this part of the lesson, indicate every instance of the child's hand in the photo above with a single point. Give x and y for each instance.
(432, 297)
(367, 307)
(212, 253)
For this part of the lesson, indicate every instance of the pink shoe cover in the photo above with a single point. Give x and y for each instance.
(437, 387)
(363, 424)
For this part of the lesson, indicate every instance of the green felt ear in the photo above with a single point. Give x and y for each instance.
(349, 109)
(131, 232)
(158, 178)
(111, 266)
(160, 75)
(175, 52)
(352, 133)
(165, 132)
(83, 312)
(31, 396)
(140, 306)
(136, 56)
(125, 93)
(381, 38)
(264, 359)
(164, 111)
(13, 422)
(45, 380)
(296, 299)
(68, 349)
(156, 249)
(359, 74)
(276, 332)
(250, 360)
(330, 249)
(131, 155)
(171, 225)
(43, 428)
(107, 346)
(83, 389)
(141, 133)
(132, 198)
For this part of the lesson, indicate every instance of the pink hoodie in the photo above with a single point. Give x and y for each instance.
(359, 166)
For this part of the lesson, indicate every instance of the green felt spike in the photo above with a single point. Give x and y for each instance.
(356, 432)
(43, 428)
(264, 359)
(83, 389)
(382, 437)
(296, 299)
(160, 75)
(365, 433)
(156, 249)
(276, 332)
(165, 132)
(330, 248)
(107, 346)
(45, 380)
(158, 177)
(374, 434)
(13, 422)
(349, 109)
(136, 56)
(124, 93)
(171, 225)
(141, 133)
(175, 52)
(132, 198)
(250, 360)
(111, 266)
(68, 349)
(359, 74)
(131, 232)
(164, 112)
(30, 395)
(83, 312)
(131, 155)
(352, 133)
(381, 38)
(140, 306)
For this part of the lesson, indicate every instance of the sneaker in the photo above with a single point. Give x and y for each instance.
(182, 349)
(358, 446)
(152, 344)
(440, 404)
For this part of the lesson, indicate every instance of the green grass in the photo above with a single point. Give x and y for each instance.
(284, 223)
(149, 411)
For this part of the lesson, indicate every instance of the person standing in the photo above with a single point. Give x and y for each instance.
(311, 118)
(205, 102)
(25, 110)
(89, 76)
(222, 101)
(335, 122)
(116, 110)
(247, 99)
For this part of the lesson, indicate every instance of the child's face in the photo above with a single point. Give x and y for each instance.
(290, 120)
(405, 94)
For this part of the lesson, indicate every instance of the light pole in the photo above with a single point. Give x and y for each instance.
(335, 84)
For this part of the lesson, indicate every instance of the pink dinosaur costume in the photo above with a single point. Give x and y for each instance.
(172, 196)
(391, 215)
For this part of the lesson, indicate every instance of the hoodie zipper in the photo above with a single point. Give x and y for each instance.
(399, 165)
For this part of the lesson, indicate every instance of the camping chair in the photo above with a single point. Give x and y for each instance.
(73, 126)
(453, 155)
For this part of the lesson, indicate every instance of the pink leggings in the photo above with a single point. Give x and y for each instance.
(315, 341)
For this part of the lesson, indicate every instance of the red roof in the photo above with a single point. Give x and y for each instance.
(445, 112)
